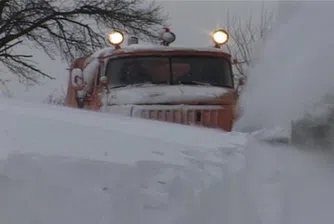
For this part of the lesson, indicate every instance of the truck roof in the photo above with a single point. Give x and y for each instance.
(109, 51)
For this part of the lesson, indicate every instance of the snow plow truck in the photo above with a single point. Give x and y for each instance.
(190, 86)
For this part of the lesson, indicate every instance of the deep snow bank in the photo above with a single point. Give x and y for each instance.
(52, 130)
(61, 165)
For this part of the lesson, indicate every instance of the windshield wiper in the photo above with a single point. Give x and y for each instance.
(118, 86)
(132, 85)
(194, 83)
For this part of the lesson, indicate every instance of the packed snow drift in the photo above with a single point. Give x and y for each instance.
(60, 165)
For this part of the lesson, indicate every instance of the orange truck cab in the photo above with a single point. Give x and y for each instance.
(190, 86)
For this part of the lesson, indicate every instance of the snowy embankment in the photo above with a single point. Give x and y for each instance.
(61, 165)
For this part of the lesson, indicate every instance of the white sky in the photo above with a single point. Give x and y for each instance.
(190, 20)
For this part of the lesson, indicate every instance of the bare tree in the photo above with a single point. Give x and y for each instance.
(56, 98)
(245, 34)
(68, 28)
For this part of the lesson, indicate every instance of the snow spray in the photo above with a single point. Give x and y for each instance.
(295, 68)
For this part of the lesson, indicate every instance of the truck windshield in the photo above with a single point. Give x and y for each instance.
(188, 70)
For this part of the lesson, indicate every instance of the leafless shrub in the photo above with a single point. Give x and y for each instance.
(56, 98)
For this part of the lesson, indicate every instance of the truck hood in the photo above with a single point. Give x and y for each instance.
(153, 94)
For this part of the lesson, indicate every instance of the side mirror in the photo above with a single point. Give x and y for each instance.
(242, 81)
(77, 77)
(104, 80)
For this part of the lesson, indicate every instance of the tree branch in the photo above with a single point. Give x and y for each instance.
(245, 33)
(69, 28)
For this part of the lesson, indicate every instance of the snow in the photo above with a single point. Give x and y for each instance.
(77, 77)
(292, 74)
(62, 165)
(96, 124)
(284, 184)
(148, 94)
(102, 52)
(152, 47)
(270, 134)
(288, 185)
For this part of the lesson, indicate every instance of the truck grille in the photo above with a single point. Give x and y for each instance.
(207, 116)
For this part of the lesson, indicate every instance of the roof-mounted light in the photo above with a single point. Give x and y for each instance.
(220, 37)
(167, 37)
(115, 38)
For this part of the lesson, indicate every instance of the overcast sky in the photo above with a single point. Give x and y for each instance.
(190, 20)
